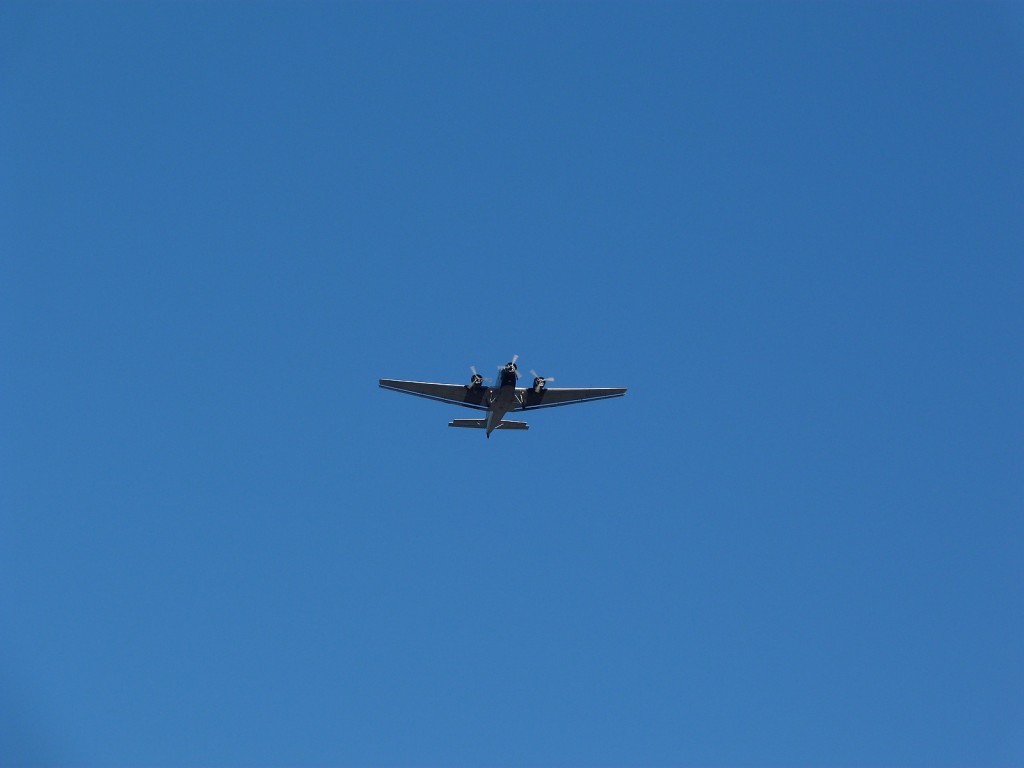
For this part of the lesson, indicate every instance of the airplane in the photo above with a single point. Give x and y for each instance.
(499, 400)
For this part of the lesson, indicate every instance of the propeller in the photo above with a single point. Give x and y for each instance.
(511, 362)
(477, 375)
(539, 382)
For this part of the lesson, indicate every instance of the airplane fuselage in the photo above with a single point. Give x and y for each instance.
(502, 398)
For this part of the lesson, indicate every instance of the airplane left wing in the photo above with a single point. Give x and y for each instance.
(551, 397)
(458, 394)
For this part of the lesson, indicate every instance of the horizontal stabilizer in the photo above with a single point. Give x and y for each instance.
(482, 424)
(513, 425)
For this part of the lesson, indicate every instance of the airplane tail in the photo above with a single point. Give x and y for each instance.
(482, 424)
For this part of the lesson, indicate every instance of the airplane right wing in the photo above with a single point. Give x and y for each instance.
(550, 398)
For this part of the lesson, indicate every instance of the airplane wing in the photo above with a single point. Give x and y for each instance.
(459, 394)
(551, 397)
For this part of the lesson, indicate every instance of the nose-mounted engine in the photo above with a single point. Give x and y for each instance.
(509, 374)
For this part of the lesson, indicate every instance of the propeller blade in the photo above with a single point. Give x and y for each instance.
(538, 376)
(514, 358)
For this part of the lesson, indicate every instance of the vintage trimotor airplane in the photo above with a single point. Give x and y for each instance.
(499, 400)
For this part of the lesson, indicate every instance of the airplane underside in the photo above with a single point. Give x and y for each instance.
(500, 399)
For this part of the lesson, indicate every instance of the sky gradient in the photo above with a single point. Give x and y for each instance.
(793, 230)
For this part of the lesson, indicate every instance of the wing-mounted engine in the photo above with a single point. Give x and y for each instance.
(539, 382)
(476, 383)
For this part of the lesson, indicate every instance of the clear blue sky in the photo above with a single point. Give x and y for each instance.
(794, 231)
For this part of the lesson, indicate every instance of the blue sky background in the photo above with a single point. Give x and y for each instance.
(795, 231)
